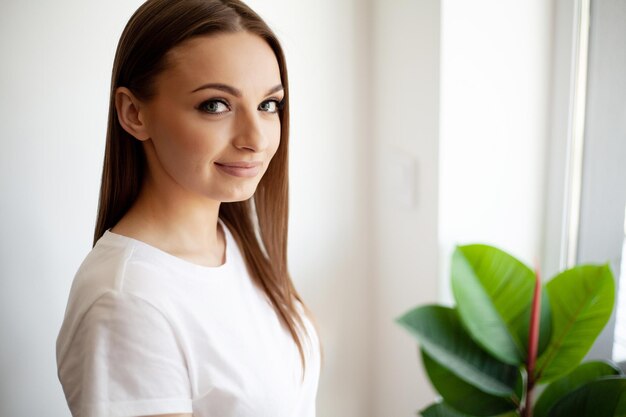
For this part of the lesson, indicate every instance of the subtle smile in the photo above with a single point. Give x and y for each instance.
(240, 168)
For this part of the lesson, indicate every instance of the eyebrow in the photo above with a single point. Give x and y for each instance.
(232, 90)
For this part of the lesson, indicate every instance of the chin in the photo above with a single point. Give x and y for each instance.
(238, 196)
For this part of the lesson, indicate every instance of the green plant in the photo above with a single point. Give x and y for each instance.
(508, 334)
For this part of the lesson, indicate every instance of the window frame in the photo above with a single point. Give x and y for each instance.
(586, 183)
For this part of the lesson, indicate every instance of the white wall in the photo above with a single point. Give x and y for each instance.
(462, 92)
(405, 66)
(495, 85)
(55, 74)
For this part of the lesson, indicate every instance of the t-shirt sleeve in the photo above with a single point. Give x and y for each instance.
(127, 361)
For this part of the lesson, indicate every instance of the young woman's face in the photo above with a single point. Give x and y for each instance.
(214, 124)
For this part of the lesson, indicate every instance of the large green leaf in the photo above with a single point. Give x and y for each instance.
(582, 300)
(580, 376)
(441, 410)
(461, 395)
(442, 336)
(493, 292)
(521, 325)
(604, 397)
(444, 410)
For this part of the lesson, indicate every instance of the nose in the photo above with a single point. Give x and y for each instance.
(249, 131)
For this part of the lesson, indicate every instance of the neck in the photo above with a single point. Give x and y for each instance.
(175, 220)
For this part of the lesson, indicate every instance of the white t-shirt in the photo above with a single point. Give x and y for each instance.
(146, 332)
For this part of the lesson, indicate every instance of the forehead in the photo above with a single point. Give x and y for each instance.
(241, 59)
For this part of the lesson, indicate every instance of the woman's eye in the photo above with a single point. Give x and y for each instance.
(214, 106)
(270, 106)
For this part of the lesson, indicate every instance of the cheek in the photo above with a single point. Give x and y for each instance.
(187, 138)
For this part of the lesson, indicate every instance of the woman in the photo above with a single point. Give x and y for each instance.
(185, 306)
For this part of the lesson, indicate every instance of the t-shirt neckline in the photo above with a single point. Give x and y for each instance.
(113, 237)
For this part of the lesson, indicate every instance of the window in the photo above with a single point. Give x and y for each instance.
(586, 195)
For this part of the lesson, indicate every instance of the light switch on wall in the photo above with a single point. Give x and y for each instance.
(402, 179)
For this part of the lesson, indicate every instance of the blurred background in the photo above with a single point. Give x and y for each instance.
(417, 125)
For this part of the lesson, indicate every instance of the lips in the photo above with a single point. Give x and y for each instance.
(240, 168)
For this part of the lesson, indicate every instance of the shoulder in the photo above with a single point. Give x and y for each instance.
(105, 269)
(102, 281)
(118, 263)
(122, 312)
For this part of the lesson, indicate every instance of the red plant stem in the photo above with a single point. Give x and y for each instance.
(533, 342)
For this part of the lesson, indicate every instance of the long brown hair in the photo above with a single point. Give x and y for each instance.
(155, 28)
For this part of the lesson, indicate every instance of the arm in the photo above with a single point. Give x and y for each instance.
(125, 360)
